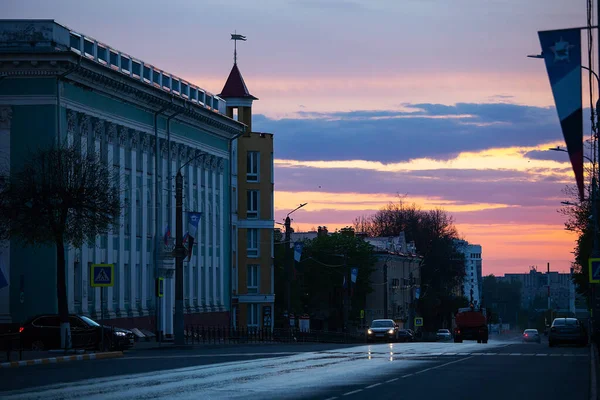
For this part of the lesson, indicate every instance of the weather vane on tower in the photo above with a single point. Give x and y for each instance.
(235, 37)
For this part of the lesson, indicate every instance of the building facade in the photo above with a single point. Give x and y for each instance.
(473, 283)
(397, 271)
(56, 85)
(252, 193)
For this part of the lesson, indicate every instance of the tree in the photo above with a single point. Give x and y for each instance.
(435, 238)
(60, 197)
(502, 297)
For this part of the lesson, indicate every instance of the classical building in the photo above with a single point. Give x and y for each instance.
(253, 291)
(57, 84)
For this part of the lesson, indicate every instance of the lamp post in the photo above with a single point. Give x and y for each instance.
(288, 259)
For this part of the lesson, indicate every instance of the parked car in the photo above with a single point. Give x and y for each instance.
(382, 329)
(567, 330)
(404, 335)
(443, 334)
(43, 332)
(531, 335)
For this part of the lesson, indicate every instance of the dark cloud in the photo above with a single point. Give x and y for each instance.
(461, 186)
(428, 130)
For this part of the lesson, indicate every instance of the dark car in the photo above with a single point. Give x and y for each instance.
(382, 329)
(567, 331)
(531, 335)
(404, 335)
(43, 333)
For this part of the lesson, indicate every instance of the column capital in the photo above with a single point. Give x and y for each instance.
(98, 129)
(111, 132)
(145, 141)
(84, 125)
(221, 165)
(134, 139)
(122, 132)
(71, 121)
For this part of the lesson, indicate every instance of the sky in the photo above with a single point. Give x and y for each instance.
(431, 101)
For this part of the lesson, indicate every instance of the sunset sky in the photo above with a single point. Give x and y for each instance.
(371, 99)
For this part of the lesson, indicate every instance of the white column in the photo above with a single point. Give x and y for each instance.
(190, 202)
(111, 138)
(223, 224)
(121, 270)
(72, 133)
(98, 253)
(199, 258)
(133, 257)
(5, 119)
(207, 295)
(85, 248)
(215, 259)
(144, 250)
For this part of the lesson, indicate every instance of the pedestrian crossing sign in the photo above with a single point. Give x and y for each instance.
(594, 268)
(102, 275)
(418, 321)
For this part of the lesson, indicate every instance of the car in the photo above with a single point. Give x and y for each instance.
(567, 330)
(42, 332)
(531, 335)
(404, 335)
(382, 329)
(443, 334)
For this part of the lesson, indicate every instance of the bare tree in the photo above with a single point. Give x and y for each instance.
(60, 197)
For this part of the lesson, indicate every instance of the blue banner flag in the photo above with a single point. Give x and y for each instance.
(297, 251)
(353, 275)
(193, 221)
(562, 54)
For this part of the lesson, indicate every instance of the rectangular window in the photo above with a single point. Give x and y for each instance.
(149, 285)
(127, 273)
(252, 170)
(252, 247)
(140, 284)
(252, 204)
(253, 315)
(252, 278)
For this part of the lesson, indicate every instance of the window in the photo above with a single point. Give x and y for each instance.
(252, 278)
(252, 315)
(252, 247)
(252, 202)
(127, 273)
(252, 169)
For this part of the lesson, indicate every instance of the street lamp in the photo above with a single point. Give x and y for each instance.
(288, 239)
(558, 148)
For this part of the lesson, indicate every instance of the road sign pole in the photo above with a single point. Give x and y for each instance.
(102, 318)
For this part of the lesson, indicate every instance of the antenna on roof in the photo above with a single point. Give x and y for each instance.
(235, 37)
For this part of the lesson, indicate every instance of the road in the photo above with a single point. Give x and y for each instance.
(497, 370)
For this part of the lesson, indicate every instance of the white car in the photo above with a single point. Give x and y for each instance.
(443, 334)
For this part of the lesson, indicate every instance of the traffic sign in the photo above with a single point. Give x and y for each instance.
(362, 314)
(419, 321)
(594, 268)
(160, 287)
(102, 275)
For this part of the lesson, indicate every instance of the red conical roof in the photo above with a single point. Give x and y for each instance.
(235, 86)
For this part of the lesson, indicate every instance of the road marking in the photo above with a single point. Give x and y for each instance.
(541, 354)
(332, 398)
(555, 355)
(463, 354)
(391, 380)
(529, 354)
(515, 354)
(477, 354)
(407, 375)
(373, 385)
(352, 392)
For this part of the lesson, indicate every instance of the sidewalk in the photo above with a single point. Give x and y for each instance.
(52, 357)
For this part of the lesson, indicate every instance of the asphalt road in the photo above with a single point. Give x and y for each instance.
(497, 370)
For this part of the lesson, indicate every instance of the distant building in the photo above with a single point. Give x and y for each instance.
(472, 284)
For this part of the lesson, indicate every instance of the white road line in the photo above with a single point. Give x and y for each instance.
(555, 355)
(463, 354)
(373, 385)
(352, 392)
(449, 354)
(515, 354)
(331, 398)
(407, 375)
(391, 380)
(529, 354)
(541, 355)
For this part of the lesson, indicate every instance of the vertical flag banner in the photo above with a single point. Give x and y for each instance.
(193, 220)
(562, 54)
(297, 251)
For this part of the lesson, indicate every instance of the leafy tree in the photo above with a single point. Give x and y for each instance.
(59, 197)
(502, 297)
(435, 238)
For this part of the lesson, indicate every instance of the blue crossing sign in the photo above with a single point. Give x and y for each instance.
(102, 275)
(594, 268)
(419, 321)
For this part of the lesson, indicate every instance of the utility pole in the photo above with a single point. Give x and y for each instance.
(346, 294)
(385, 291)
(288, 261)
(179, 257)
(548, 283)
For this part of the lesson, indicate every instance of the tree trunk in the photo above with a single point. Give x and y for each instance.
(61, 294)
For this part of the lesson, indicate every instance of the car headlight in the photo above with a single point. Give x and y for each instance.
(370, 332)
(120, 333)
(391, 331)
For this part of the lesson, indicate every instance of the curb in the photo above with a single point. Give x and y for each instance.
(593, 381)
(54, 360)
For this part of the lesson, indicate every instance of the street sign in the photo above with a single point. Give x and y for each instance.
(362, 314)
(418, 321)
(594, 268)
(102, 275)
